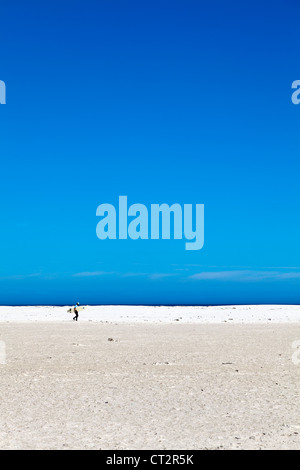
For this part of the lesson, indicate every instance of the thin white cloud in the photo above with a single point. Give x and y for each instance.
(225, 267)
(244, 275)
(207, 275)
(152, 276)
(133, 274)
(93, 273)
(289, 275)
(155, 276)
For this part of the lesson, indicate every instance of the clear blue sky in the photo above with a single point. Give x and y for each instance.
(162, 101)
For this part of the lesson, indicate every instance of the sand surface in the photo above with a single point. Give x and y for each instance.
(155, 386)
(163, 314)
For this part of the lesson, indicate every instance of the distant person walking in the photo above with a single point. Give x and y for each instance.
(76, 311)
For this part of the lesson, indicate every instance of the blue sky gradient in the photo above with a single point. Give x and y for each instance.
(165, 102)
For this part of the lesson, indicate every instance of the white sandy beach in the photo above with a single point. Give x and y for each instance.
(161, 314)
(150, 378)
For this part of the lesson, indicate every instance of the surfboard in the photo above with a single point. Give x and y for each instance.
(71, 310)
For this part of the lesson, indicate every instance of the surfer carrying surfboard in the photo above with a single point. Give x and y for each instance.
(76, 312)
